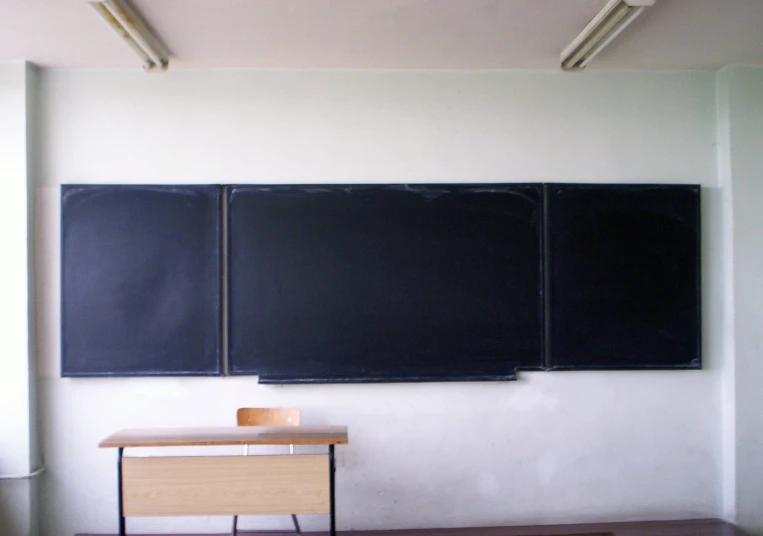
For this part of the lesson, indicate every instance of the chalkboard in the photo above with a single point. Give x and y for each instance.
(624, 276)
(385, 283)
(140, 280)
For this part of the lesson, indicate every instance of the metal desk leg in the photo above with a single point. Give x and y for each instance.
(119, 492)
(332, 469)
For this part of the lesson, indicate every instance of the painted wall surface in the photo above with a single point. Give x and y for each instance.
(744, 86)
(721, 255)
(561, 447)
(17, 432)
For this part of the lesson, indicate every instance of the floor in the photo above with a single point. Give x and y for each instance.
(699, 527)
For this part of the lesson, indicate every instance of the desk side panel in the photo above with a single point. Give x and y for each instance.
(226, 485)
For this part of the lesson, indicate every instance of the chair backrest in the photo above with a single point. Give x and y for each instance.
(269, 417)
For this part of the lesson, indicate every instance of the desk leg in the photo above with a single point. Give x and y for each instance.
(332, 469)
(119, 492)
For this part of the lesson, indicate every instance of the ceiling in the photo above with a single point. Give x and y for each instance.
(384, 34)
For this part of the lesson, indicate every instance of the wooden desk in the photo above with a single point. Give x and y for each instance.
(226, 485)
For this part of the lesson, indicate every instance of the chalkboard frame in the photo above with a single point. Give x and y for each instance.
(695, 363)
(509, 375)
(66, 370)
(547, 361)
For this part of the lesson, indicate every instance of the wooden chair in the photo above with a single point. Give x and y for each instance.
(268, 417)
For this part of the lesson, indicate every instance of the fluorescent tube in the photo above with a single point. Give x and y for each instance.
(124, 21)
(614, 17)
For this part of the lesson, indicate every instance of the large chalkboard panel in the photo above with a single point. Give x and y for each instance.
(385, 283)
(140, 280)
(624, 276)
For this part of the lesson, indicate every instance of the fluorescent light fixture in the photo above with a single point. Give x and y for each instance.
(121, 17)
(613, 18)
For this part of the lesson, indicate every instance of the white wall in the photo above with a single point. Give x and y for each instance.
(721, 255)
(743, 91)
(18, 437)
(552, 447)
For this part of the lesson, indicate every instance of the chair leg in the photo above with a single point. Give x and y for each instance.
(296, 523)
(235, 523)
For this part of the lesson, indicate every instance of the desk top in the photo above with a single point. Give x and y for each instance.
(227, 435)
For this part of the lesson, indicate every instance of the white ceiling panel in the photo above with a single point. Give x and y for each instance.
(384, 34)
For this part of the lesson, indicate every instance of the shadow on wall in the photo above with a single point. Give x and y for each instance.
(12, 494)
(19, 507)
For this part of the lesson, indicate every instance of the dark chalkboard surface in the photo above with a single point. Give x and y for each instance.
(385, 283)
(140, 280)
(624, 273)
